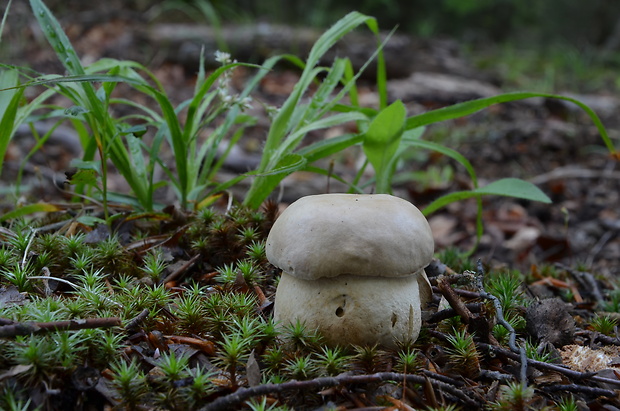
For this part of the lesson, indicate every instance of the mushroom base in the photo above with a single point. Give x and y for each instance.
(355, 310)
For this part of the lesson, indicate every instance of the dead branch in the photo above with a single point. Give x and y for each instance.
(237, 398)
(455, 302)
(595, 391)
(26, 328)
(135, 322)
(181, 270)
(451, 312)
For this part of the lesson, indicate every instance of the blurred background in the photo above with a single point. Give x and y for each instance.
(550, 45)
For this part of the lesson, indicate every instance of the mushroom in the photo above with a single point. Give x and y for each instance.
(352, 267)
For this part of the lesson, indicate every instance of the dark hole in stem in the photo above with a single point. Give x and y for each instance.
(339, 311)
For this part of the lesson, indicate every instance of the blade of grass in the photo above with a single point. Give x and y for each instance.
(507, 187)
(470, 107)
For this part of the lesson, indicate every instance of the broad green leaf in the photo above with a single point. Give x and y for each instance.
(29, 209)
(11, 103)
(507, 187)
(470, 107)
(514, 187)
(90, 221)
(381, 142)
(88, 177)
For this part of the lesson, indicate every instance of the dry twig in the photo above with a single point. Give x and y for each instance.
(237, 398)
(27, 328)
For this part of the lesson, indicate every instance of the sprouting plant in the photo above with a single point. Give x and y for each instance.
(110, 255)
(407, 361)
(248, 327)
(462, 353)
(124, 282)
(12, 399)
(501, 333)
(612, 304)
(226, 274)
(514, 396)
(44, 259)
(301, 368)
(49, 245)
(191, 313)
(368, 358)
(18, 275)
(96, 296)
(173, 366)
(256, 251)
(200, 387)
(506, 287)
(248, 234)
(233, 352)
(238, 304)
(81, 263)
(205, 216)
(332, 361)
(7, 258)
(106, 345)
(274, 358)
(21, 241)
(158, 296)
(154, 264)
(268, 330)
(536, 353)
(604, 324)
(75, 307)
(449, 407)
(567, 403)
(300, 337)
(74, 245)
(256, 405)
(68, 347)
(251, 273)
(129, 382)
(35, 351)
(92, 278)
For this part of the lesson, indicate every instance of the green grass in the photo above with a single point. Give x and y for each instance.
(134, 143)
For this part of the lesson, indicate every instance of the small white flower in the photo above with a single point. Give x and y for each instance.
(222, 57)
(245, 103)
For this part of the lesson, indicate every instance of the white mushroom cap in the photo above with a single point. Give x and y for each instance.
(329, 235)
(353, 267)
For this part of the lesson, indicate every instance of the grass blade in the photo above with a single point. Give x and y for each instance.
(507, 187)
(470, 107)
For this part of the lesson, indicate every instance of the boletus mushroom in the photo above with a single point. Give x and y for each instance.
(352, 267)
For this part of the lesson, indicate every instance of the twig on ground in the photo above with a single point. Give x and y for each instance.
(598, 392)
(499, 314)
(181, 270)
(27, 328)
(455, 302)
(550, 367)
(237, 398)
(451, 312)
(462, 293)
(586, 280)
(134, 323)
